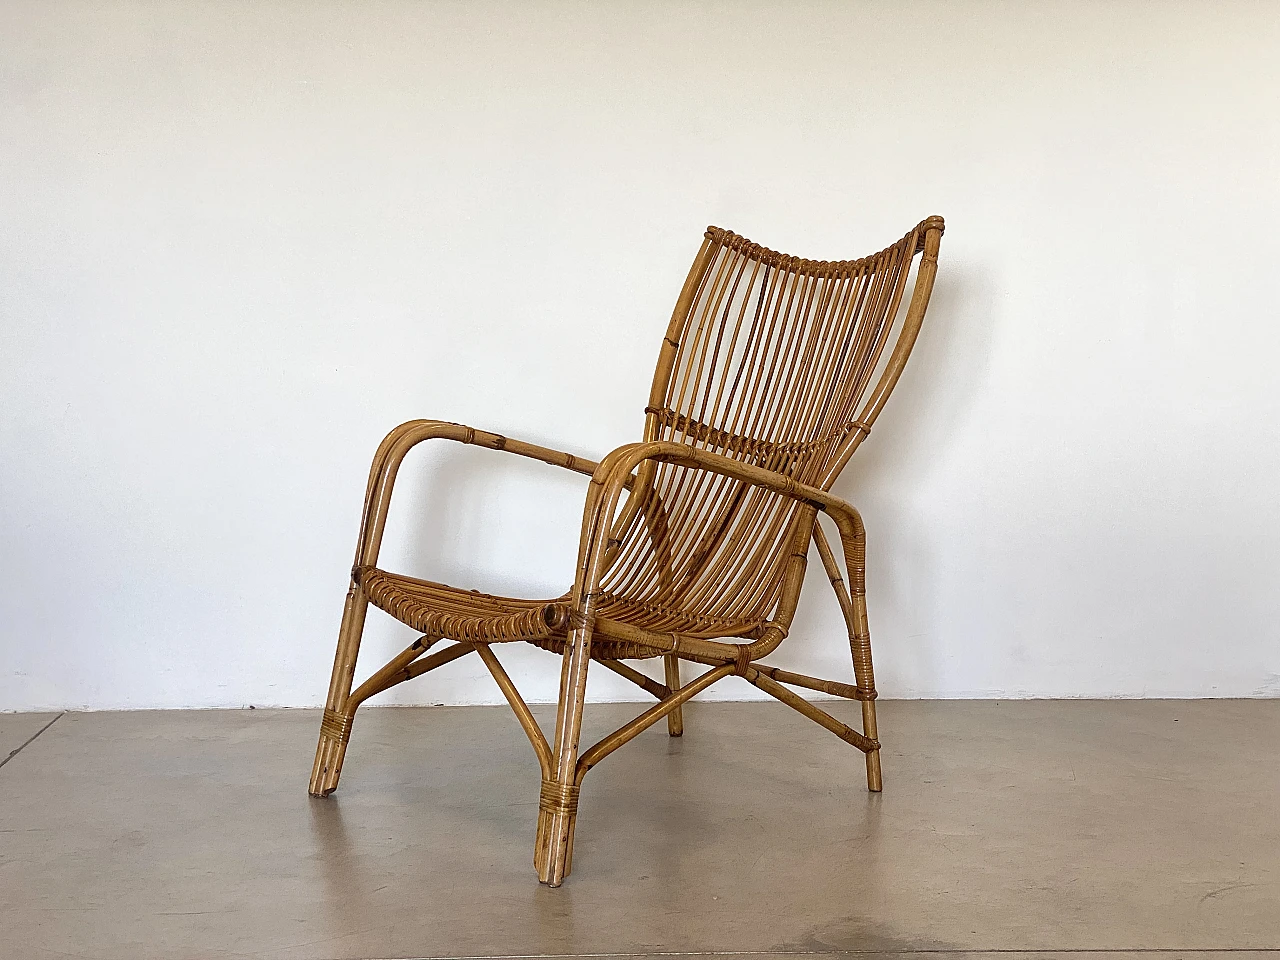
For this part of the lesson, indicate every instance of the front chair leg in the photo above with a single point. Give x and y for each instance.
(860, 645)
(558, 799)
(854, 540)
(335, 726)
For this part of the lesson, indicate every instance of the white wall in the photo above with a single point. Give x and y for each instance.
(238, 242)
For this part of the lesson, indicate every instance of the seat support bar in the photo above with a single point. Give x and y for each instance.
(799, 703)
(594, 754)
(659, 690)
(403, 667)
(521, 709)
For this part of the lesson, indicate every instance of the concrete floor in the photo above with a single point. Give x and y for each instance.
(1004, 827)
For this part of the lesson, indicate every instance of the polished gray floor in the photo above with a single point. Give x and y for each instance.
(1004, 826)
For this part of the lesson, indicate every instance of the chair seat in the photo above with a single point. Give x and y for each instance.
(471, 616)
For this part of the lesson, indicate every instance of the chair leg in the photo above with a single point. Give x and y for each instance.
(675, 719)
(860, 644)
(558, 799)
(854, 609)
(874, 781)
(335, 726)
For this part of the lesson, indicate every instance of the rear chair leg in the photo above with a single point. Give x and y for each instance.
(335, 725)
(675, 719)
(874, 782)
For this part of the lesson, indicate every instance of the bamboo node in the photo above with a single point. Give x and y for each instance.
(335, 726)
(558, 798)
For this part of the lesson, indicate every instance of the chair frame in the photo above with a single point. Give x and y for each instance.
(563, 765)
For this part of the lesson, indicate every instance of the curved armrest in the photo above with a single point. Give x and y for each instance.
(615, 469)
(397, 443)
(622, 461)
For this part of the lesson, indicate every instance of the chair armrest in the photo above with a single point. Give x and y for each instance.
(617, 468)
(623, 461)
(391, 452)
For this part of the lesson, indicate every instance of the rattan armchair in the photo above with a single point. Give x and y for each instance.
(772, 372)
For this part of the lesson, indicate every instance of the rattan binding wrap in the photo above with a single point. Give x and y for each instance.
(694, 541)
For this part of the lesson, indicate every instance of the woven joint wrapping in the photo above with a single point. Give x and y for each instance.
(580, 621)
(715, 438)
(335, 726)
(558, 797)
(784, 261)
(862, 668)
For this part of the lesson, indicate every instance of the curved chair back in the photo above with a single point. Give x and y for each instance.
(777, 361)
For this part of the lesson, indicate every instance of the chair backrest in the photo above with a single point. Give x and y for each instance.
(780, 362)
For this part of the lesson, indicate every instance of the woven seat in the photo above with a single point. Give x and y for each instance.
(437, 609)
(694, 541)
(466, 615)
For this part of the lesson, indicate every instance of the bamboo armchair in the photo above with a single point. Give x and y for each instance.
(771, 374)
